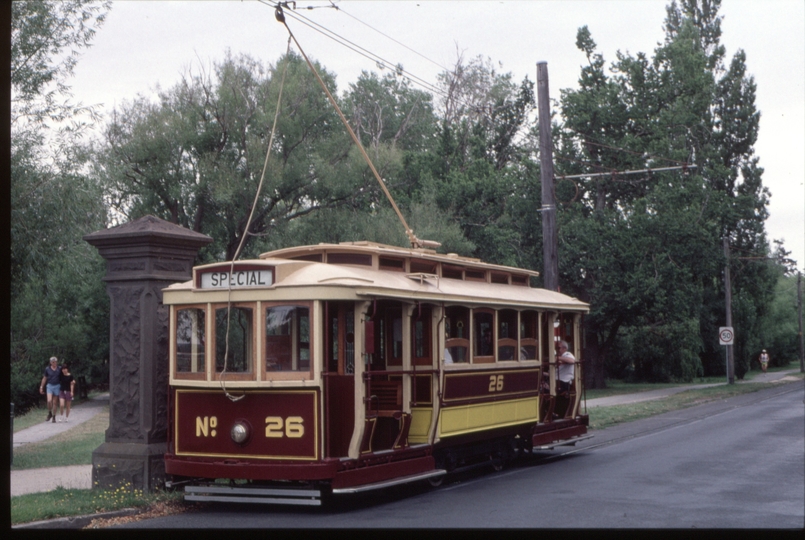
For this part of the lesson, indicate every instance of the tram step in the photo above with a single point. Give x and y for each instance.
(566, 442)
(391, 482)
(213, 493)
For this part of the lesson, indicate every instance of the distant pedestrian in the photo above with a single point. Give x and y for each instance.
(67, 390)
(50, 379)
(764, 360)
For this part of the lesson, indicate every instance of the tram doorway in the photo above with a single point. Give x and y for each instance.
(339, 382)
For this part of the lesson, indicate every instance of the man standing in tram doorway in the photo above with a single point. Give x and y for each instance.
(566, 369)
(51, 378)
(764, 360)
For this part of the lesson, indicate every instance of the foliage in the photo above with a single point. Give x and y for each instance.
(779, 330)
(196, 158)
(656, 291)
(58, 303)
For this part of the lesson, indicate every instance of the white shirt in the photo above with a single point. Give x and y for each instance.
(566, 371)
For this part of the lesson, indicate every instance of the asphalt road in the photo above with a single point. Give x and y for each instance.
(737, 463)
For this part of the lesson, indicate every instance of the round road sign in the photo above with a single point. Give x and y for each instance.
(725, 335)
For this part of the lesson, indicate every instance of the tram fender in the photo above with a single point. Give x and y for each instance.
(538, 439)
(379, 473)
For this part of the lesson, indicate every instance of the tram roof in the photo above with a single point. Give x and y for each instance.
(371, 283)
(391, 251)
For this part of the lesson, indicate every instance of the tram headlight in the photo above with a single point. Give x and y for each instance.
(240, 432)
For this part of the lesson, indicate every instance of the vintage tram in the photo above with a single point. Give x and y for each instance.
(340, 368)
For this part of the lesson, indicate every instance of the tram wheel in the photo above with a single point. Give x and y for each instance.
(436, 481)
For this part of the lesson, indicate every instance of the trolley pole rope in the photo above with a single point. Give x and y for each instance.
(415, 242)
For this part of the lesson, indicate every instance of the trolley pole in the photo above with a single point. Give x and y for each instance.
(549, 242)
(728, 297)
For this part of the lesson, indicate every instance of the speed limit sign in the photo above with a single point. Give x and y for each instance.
(725, 335)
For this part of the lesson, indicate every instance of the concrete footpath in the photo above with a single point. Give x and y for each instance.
(80, 476)
(47, 479)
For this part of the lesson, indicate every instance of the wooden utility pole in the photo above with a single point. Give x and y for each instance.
(728, 297)
(550, 273)
(799, 316)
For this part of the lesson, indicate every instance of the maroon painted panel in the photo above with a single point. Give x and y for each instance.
(490, 384)
(378, 473)
(283, 424)
(249, 470)
(340, 413)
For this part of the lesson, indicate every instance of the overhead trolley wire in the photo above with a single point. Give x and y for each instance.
(415, 242)
(377, 59)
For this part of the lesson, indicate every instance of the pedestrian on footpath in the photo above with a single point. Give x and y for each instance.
(67, 390)
(764, 360)
(51, 380)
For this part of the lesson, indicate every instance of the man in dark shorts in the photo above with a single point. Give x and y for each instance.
(51, 379)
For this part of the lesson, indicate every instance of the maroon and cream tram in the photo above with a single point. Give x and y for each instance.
(341, 368)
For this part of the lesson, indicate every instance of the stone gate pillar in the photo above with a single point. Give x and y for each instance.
(142, 257)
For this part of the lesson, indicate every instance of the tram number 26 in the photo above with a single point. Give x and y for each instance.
(495, 383)
(291, 427)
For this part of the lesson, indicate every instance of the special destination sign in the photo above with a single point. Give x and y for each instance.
(222, 278)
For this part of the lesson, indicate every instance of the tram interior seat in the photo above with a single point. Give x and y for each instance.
(506, 348)
(384, 408)
(386, 398)
(459, 349)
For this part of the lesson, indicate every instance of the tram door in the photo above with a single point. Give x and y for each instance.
(339, 383)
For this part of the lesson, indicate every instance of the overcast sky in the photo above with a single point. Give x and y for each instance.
(146, 44)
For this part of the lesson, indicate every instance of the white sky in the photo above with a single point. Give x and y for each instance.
(148, 43)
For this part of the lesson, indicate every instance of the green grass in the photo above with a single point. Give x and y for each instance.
(30, 418)
(603, 417)
(77, 502)
(72, 447)
(616, 387)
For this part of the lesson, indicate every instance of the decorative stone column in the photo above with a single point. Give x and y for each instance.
(142, 257)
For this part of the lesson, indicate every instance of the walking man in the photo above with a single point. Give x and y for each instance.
(51, 379)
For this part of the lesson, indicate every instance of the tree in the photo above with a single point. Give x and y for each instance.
(58, 302)
(196, 157)
(656, 291)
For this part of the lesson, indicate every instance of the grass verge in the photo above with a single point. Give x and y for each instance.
(78, 502)
(72, 447)
(603, 417)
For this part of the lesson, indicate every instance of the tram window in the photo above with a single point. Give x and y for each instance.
(395, 343)
(483, 336)
(316, 257)
(391, 263)
(507, 334)
(360, 259)
(190, 340)
(420, 326)
(528, 335)
(236, 357)
(419, 266)
(519, 280)
(287, 338)
(457, 332)
(452, 272)
(475, 275)
(500, 278)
